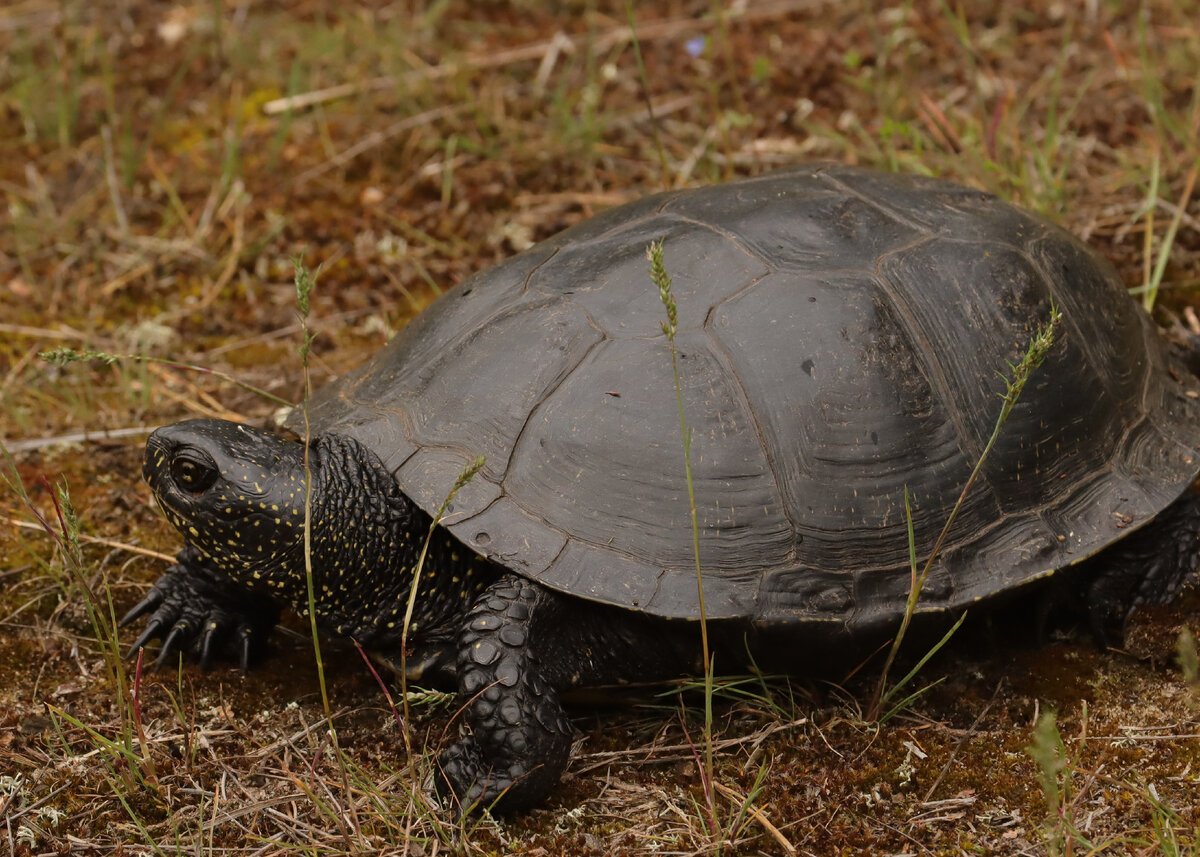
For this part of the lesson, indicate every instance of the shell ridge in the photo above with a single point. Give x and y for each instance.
(732, 237)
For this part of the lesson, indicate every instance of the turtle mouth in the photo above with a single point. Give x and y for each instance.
(157, 465)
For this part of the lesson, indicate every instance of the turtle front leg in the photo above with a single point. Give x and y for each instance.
(1152, 566)
(194, 607)
(521, 645)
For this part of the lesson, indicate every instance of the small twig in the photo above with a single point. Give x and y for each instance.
(30, 444)
(330, 321)
(652, 755)
(404, 81)
(971, 732)
(41, 332)
(95, 540)
(1183, 736)
(379, 680)
(64, 356)
(110, 177)
(935, 119)
(201, 404)
(689, 163)
(126, 277)
(1185, 218)
(654, 110)
(17, 368)
(177, 204)
(378, 138)
(559, 43)
(232, 258)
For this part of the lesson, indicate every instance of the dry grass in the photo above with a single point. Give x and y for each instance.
(163, 164)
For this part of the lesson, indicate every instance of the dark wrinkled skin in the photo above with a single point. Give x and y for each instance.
(1152, 566)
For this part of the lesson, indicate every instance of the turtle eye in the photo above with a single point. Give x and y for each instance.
(193, 470)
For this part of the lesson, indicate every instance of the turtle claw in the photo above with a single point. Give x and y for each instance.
(153, 598)
(206, 644)
(247, 644)
(148, 633)
(172, 643)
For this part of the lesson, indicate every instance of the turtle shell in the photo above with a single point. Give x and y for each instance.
(844, 336)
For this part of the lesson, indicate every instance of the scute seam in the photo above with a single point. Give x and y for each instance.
(1052, 283)
(931, 369)
(732, 237)
(725, 359)
(549, 392)
(882, 208)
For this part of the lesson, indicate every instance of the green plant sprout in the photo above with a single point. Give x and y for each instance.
(306, 281)
(1014, 384)
(1189, 660)
(644, 81)
(1054, 778)
(662, 280)
(468, 473)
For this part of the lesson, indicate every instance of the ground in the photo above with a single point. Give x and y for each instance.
(163, 164)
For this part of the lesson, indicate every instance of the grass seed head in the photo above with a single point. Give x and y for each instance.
(660, 278)
(468, 473)
(306, 281)
(64, 356)
(1035, 354)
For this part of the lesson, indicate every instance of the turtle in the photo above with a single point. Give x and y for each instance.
(843, 337)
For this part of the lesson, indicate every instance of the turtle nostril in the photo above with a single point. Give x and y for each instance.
(193, 470)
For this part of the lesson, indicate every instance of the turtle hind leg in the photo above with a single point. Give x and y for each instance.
(1151, 566)
(520, 646)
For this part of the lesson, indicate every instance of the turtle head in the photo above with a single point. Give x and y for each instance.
(236, 493)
